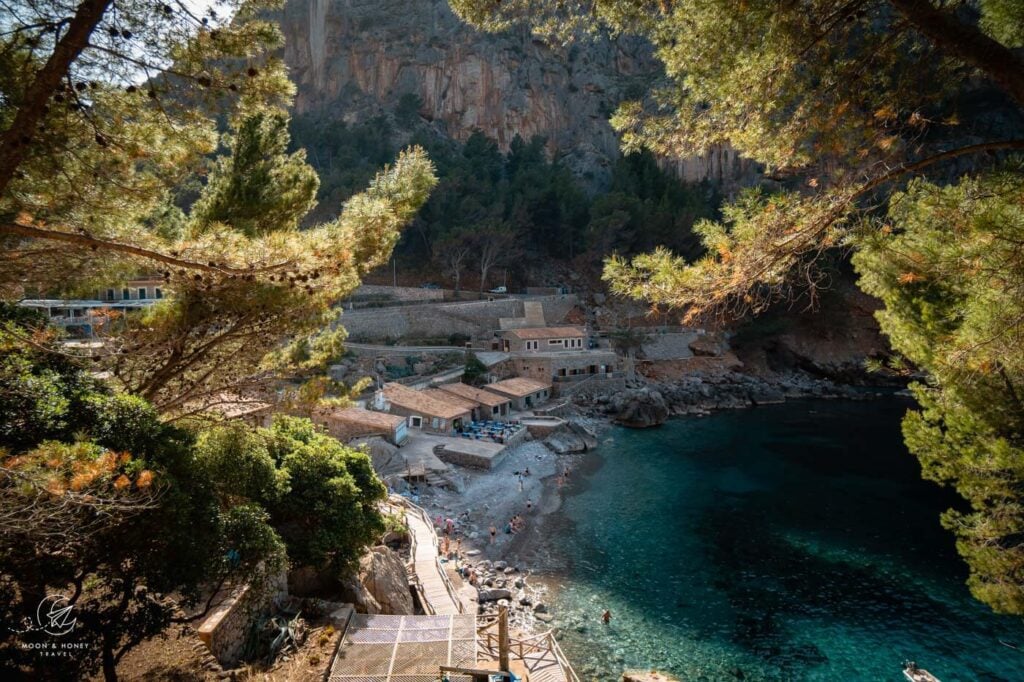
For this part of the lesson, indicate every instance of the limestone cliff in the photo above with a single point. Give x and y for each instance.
(353, 59)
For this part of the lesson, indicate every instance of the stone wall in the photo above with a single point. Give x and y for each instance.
(401, 294)
(478, 319)
(671, 346)
(226, 628)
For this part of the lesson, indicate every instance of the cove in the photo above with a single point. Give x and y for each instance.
(787, 542)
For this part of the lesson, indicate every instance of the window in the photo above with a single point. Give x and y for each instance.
(435, 423)
(416, 422)
(554, 342)
(110, 294)
(495, 410)
(142, 293)
(532, 345)
(126, 294)
(158, 293)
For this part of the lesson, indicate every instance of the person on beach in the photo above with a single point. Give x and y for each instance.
(510, 527)
(494, 533)
(606, 616)
(449, 527)
(445, 546)
(520, 483)
(529, 505)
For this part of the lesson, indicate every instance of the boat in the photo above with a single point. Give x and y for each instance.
(915, 674)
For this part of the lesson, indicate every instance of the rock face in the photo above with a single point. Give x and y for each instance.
(380, 585)
(654, 403)
(571, 438)
(355, 59)
(639, 408)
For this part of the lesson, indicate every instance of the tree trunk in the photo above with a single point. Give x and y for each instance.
(109, 667)
(15, 141)
(967, 42)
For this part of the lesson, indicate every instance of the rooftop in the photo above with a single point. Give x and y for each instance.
(446, 397)
(478, 394)
(531, 333)
(519, 386)
(233, 405)
(357, 415)
(421, 401)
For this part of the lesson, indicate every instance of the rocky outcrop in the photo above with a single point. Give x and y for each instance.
(571, 438)
(654, 403)
(709, 345)
(356, 59)
(638, 408)
(380, 585)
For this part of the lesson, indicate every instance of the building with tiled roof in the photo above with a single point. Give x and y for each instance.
(524, 393)
(355, 422)
(431, 411)
(492, 405)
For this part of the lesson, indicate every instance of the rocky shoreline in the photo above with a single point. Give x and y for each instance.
(650, 403)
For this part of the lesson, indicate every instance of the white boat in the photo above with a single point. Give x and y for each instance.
(915, 674)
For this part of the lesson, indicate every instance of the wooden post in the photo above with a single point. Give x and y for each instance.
(503, 647)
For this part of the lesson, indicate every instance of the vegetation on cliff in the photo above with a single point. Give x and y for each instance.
(489, 208)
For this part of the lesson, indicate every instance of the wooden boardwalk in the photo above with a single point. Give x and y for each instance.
(437, 590)
(540, 654)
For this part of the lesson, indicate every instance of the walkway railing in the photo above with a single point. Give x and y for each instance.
(419, 511)
(543, 643)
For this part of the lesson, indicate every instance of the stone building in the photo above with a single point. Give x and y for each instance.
(524, 393)
(354, 422)
(491, 405)
(426, 412)
(541, 339)
(565, 368)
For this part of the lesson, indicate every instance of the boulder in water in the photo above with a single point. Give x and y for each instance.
(640, 409)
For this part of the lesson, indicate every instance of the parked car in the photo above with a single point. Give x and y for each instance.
(500, 290)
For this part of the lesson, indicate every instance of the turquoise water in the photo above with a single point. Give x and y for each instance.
(792, 542)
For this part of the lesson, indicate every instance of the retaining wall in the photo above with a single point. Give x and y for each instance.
(477, 319)
(226, 628)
